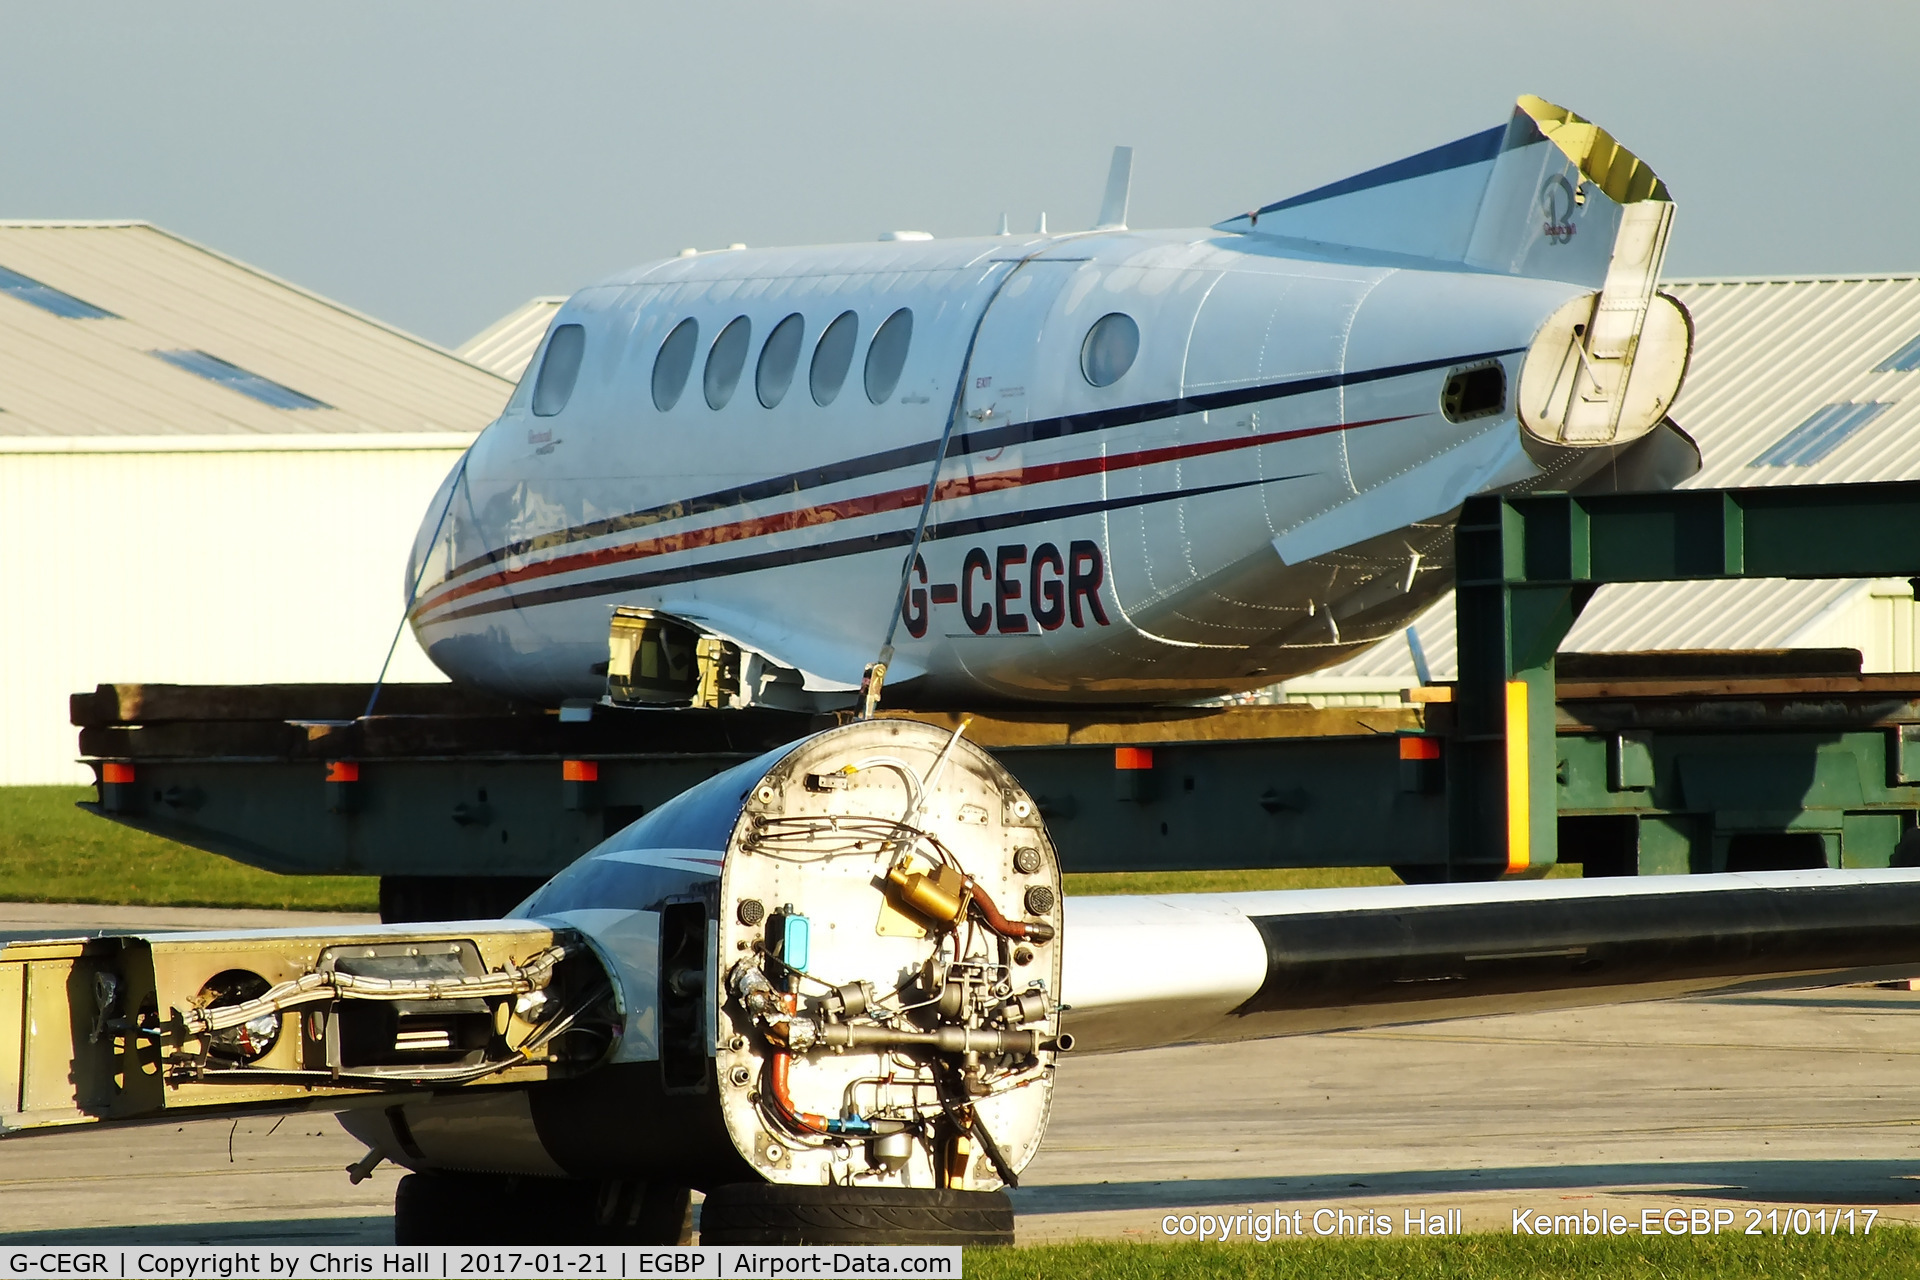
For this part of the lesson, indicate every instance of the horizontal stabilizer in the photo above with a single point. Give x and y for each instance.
(1540, 196)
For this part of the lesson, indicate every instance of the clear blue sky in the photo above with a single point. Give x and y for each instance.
(435, 164)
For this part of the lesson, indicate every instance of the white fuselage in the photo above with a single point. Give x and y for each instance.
(1248, 500)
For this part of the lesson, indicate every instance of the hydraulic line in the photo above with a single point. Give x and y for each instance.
(949, 1039)
(1019, 930)
(857, 1126)
(509, 980)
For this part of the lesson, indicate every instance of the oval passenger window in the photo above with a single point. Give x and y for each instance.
(832, 357)
(778, 359)
(726, 360)
(559, 370)
(674, 363)
(887, 355)
(1109, 350)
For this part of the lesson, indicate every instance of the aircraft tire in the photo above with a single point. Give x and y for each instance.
(752, 1213)
(496, 1209)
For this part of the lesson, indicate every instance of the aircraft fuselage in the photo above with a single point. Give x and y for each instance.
(1251, 494)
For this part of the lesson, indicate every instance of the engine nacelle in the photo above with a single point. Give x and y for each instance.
(857, 951)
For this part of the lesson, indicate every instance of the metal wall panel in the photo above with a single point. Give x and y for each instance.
(197, 567)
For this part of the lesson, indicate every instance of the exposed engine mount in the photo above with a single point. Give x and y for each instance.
(889, 910)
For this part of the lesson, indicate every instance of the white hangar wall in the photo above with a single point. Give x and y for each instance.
(207, 475)
(221, 565)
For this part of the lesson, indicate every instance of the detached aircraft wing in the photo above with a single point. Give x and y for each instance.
(845, 963)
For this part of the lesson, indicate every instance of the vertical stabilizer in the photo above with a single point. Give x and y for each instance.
(1542, 195)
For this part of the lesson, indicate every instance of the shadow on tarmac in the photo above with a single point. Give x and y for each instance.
(1800, 1182)
(272, 1231)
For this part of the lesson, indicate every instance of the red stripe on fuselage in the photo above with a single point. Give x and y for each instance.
(874, 504)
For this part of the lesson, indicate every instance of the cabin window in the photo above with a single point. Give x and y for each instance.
(778, 359)
(726, 360)
(887, 355)
(1110, 348)
(674, 363)
(832, 357)
(1479, 392)
(559, 370)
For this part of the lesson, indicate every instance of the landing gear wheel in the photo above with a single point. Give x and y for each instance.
(766, 1213)
(491, 1209)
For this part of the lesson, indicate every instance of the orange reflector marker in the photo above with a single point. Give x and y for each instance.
(580, 770)
(1133, 757)
(112, 772)
(343, 771)
(1412, 748)
(1519, 802)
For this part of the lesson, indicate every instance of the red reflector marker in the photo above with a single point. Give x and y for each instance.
(111, 772)
(580, 770)
(1133, 757)
(343, 771)
(1419, 748)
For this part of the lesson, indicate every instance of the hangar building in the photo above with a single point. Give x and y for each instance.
(206, 475)
(507, 345)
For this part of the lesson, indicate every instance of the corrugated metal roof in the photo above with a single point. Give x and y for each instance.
(62, 376)
(508, 343)
(1770, 354)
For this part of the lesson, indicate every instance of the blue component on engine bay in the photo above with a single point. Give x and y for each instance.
(791, 943)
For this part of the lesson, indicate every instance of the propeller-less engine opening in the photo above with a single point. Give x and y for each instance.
(888, 927)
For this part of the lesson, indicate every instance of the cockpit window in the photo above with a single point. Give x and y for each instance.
(559, 370)
(674, 363)
(778, 359)
(726, 360)
(832, 357)
(887, 355)
(1110, 348)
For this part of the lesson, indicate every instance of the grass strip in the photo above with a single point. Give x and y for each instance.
(52, 852)
(1886, 1251)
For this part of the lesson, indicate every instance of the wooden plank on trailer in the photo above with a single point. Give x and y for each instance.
(161, 703)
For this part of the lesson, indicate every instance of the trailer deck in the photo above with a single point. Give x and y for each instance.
(1661, 766)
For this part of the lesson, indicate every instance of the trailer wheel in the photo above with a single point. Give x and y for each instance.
(767, 1213)
(495, 1209)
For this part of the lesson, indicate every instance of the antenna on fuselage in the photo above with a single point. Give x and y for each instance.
(1042, 228)
(1003, 226)
(1113, 206)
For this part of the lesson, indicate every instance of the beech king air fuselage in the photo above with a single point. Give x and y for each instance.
(1169, 464)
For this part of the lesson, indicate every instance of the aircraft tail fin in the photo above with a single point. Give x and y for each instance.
(1544, 195)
